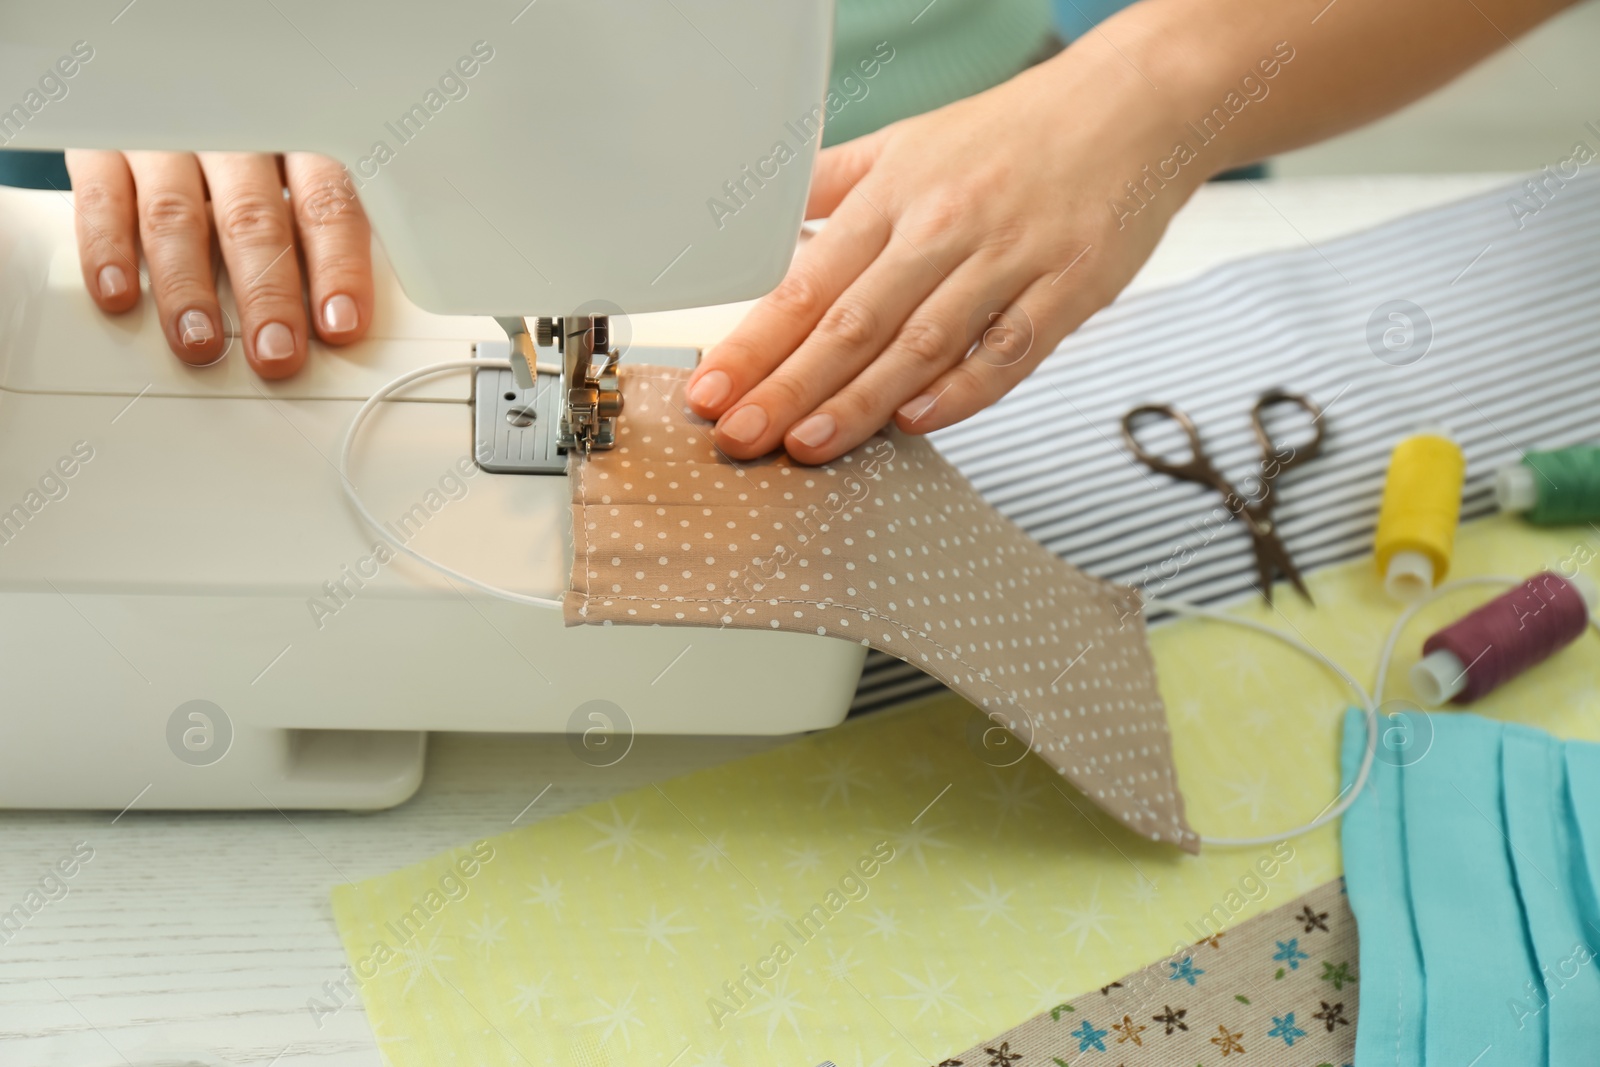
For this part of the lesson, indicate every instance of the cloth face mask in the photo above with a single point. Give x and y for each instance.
(889, 546)
(1472, 859)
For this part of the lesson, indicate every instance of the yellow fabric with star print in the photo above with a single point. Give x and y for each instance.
(889, 893)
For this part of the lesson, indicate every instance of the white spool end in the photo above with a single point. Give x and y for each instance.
(1409, 576)
(1435, 429)
(1586, 589)
(1438, 677)
(1516, 488)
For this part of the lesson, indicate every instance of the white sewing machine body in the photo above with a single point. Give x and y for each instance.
(171, 534)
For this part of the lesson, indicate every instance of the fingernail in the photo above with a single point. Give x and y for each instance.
(710, 389)
(113, 282)
(915, 409)
(274, 342)
(815, 431)
(339, 314)
(744, 425)
(195, 329)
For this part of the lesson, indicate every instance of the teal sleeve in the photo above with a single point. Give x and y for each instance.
(29, 169)
(938, 53)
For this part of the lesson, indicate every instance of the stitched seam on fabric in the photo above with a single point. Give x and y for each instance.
(588, 541)
(582, 472)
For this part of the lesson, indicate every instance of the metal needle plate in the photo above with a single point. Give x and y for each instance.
(515, 429)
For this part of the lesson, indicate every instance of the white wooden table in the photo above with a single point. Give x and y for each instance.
(200, 938)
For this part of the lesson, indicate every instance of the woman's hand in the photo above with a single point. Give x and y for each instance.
(962, 246)
(158, 201)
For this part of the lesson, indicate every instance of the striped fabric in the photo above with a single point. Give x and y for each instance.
(1509, 288)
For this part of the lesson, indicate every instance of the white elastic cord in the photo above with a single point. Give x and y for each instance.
(1369, 704)
(371, 520)
(1411, 612)
(1348, 797)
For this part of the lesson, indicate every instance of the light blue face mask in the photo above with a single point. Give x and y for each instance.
(1471, 862)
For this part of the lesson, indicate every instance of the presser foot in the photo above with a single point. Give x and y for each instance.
(593, 401)
(523, 430)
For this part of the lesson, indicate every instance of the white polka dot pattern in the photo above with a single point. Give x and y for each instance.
(889, 546)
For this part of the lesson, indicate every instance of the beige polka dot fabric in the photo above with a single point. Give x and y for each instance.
(889, 546)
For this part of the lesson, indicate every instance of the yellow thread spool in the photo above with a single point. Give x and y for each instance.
(1421, 509)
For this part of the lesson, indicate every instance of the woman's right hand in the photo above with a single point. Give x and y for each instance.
(158, 202)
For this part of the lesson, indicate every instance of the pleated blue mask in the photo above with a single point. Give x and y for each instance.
(1471, 861)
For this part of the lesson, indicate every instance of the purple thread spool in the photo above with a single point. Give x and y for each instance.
(1515, 631)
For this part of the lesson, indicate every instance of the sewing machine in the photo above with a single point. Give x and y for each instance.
(191, 615)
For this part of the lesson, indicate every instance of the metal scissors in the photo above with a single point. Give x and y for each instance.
(1272, 558)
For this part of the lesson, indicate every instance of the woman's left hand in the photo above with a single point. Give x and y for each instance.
(962, 246)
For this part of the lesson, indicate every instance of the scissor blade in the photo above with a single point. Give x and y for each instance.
(1291, 572)
(1264, 570)
(1272, 559)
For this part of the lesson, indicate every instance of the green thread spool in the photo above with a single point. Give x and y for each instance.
(1552, 488)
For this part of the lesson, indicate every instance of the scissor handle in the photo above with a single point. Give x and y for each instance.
(1275, 459)
(1195, 469)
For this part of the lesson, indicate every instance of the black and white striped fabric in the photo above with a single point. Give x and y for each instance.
(1475, 316)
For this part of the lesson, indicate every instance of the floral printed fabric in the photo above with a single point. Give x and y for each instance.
(1278, 989)
(889, 546)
